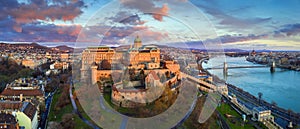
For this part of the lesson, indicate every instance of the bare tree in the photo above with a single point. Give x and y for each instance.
(105, 65)
(273, 103)
(259, 97)
(68, 121)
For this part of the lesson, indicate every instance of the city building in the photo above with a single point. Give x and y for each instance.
(99, 62)
(130, 94)
(22, 94)
(261, 114)
(24, 89)
(8, 121)
(137, 56)
(29, 63)
(25, 113)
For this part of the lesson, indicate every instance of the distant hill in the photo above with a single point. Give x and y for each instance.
(34, 45)
(64, 48)
(192, 44)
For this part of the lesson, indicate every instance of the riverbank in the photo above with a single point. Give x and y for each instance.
(286, 66)
(239, 76)
(280, 87)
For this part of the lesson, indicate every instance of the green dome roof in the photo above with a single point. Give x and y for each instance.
(137, 39)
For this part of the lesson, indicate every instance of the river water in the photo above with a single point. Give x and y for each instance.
(282, 87)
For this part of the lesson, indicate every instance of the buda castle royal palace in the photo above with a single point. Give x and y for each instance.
(138, 56)
(140, 67)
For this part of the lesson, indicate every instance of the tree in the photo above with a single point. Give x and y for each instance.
(273, 103)
(64, 78)
(259, 97)
(131, 73)
(64, 99)
(167, 58)
(42, 107)
(168, 74)
(169, 84)
(52, 85)
(290, 112)
(142, 77)
(68, 121)
(163, 78)
(142, 72)
(105, 65)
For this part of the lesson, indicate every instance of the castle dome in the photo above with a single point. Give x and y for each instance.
(137, 42)
(137, 39)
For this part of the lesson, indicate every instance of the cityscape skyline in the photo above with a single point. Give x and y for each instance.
(244, 25)
(185, 64)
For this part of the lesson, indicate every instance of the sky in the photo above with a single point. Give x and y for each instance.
(245, 24)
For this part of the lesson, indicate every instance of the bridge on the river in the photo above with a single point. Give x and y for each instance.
(226, 67)
(203, 85)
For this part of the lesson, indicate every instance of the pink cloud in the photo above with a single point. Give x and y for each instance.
(33, 10)
(147, 6)
(160, 12)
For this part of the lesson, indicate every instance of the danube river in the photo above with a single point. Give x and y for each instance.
(282, 87)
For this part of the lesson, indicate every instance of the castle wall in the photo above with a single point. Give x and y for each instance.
(137, 98)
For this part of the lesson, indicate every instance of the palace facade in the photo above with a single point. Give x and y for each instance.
(138, 56)
(144, 74)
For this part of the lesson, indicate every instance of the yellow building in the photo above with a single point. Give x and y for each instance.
(25, 113)
(138, 57)
(29, 63)
(261, 114)
(64, 56)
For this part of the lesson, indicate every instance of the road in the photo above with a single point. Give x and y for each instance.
(44, 115)
(223, 122)
(76, 109)
(276, 111)
(188, 113)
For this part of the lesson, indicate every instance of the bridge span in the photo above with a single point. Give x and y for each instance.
(203, 84)
(226, 67)
(237, 67)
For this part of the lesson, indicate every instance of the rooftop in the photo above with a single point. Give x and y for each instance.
(17, 92)
(8, 120)
(260, 109)
(26, 107)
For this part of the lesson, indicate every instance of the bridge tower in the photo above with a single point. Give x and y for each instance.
(273, 66)
(225, 68)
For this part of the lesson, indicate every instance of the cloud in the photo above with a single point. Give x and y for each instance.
(237, 38)
(118, 33)
(229, 21)
(160, 12)
(34, 10)
(107, 35)
(288, 30)
(21, 21)
(127, 18)
(40, 32)
(148, 7)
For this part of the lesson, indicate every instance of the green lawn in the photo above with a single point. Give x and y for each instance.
(235, 122)
(57, 115)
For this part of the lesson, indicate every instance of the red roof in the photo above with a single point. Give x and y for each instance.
(154, 75)
(25, 107)
(13, 92)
